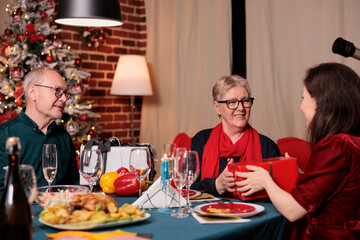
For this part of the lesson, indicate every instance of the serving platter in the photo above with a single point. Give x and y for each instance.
(94, 224)
(235, 209)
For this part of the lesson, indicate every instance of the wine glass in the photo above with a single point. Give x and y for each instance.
(140, 163)
(167, 162)
(193, 173)
(49, 162)
(179, 176)
(91, 166)
(28, 179)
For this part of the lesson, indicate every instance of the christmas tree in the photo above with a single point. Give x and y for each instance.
(30, 42)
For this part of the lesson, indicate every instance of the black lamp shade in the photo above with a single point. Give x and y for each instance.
(89, 13)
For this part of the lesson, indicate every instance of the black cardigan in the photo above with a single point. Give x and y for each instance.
(268, 149)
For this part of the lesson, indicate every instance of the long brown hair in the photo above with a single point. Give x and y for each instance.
(336, 90)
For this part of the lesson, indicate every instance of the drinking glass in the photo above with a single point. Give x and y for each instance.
(49, 162)
(91, 166)
(28, 179)
(166, 173)
(179, 176)
(193, 173)
(140, 163)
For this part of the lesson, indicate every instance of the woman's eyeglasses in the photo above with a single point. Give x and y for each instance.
(233, 104)
(58, 91)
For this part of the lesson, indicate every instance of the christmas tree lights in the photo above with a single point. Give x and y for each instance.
(29, 42)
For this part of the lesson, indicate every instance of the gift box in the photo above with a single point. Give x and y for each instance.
(283, 170)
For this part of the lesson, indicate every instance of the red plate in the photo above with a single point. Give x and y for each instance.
(234, 208)
(238, 209)
(191, 193)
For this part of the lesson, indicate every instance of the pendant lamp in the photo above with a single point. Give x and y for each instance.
(89, 13)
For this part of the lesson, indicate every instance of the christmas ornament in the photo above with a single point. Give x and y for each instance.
(84, 117)
(72, 127)
(93, 37)
(30, 28)
(18, 102)
(8, 32)
(42, 37)
(20, 37)
(57, 43)
(91, 133)
(49, 59)
(16, 73)
(43, 15)
(6, 49)
(16, 17)
(78, 89)
(78, 62)
(50, 5)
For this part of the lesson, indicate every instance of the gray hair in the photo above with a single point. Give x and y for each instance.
(224, 83)
(34, 77)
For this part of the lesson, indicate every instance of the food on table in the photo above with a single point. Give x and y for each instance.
(228, 208)
(58, 194)
(90, 207)
(218, 210)
(107, 182)
(126, 184)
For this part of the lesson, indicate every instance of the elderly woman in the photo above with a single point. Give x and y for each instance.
(328, 193)
(232, 140)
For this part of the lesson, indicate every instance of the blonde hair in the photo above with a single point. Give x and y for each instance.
(224, 83)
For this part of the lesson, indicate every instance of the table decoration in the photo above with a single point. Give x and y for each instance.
(154, 197)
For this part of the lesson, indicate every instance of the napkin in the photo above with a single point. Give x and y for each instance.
(211, 219)
(204, 197)
(77, 235)
(154, 197)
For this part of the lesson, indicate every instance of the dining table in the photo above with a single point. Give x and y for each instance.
(268, 224)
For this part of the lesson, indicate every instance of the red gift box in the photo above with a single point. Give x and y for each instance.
(283, 170)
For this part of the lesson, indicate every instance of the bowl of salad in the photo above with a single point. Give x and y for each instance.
(58, 194)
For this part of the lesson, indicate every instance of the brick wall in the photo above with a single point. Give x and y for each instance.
(129, 38)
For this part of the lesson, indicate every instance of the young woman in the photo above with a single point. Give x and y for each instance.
(328, 193)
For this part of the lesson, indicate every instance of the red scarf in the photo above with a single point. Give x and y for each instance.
(248, 148)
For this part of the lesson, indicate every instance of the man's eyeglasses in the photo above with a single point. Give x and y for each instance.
(233, 104)
(58, 91)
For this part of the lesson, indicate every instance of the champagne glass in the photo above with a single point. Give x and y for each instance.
(166, 173)
(179, 176)
(140, 163)
(193, 173)
(91, 166)
(49, 162)
(28, 179)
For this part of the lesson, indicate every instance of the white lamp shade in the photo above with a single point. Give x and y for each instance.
(131, 77)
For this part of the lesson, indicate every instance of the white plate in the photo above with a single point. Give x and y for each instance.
(94, 226)
(239, 208)
(192, 193)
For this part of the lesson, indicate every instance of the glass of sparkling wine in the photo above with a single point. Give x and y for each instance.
(49, 162)
(193, 173)
(91, 166)
(179, 177)
(140, 163)
(28, 179)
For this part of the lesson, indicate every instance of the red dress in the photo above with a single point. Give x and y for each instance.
(330, 189)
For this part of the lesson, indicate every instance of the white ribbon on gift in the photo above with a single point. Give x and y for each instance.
(154, 197)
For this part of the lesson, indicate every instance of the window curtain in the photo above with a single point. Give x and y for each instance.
(284, 38)
(188, 48)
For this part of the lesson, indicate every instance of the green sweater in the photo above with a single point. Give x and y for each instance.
(32, 140)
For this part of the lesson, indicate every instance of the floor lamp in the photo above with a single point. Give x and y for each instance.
(131, 79)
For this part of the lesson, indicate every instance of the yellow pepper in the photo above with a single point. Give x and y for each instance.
(107, 182)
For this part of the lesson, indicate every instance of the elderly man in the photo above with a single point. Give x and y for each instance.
(46, 94)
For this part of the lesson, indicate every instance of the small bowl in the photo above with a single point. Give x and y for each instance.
(58, 194)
